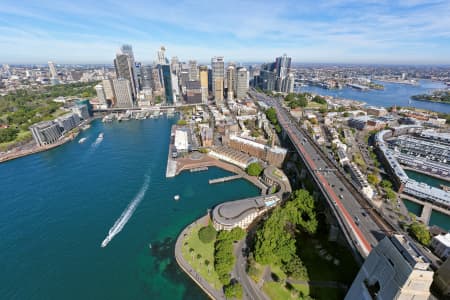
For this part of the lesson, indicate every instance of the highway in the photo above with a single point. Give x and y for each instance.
(354, 216)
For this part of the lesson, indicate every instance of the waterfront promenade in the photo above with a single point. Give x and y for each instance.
(187, 268)
(189, 162)
(35, 149)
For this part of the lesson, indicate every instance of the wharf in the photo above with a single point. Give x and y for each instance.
(198, 169)
(224, 179)
(171, 170)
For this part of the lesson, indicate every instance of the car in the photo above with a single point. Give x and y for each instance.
(341, 189)
(364, 214)
(334, 202)
(340, 196)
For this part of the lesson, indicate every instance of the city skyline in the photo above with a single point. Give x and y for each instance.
(346, 31)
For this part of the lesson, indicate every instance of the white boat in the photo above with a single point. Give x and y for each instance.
(176, 197)
(82, 140)
(100, 136)
(150, 245)
(106, 241)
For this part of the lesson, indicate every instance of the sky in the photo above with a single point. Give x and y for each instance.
(332, 31)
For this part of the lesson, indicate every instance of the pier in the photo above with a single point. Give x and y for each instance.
(198, 169)
(225, 179)
(427, 208)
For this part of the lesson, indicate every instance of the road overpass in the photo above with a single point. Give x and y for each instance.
(344, 201)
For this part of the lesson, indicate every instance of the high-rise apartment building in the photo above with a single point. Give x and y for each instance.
(108, 89)
(241, 83)
(193, 70)
(218, 72)
(122, 89)
(101, 96)
(203, 70)
(282, 69)
(395, 269)
(46, 132)
(231, 78)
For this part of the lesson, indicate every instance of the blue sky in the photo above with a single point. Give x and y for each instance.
(357, 31)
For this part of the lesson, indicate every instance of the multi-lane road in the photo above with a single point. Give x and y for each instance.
(353, 215)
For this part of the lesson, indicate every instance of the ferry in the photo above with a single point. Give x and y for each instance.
(82, 140)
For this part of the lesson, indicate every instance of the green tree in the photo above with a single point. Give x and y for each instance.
(390, 194)
(295, 269)
(420, 232)
(181, 122)
(373, 179)
(207, 234)
(254, 169)
(233, 290)
(386, 184)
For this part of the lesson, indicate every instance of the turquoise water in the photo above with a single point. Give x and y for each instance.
(393, 94)
(440, 219)
(57, 207)
(427, 179)
(436, 217)
(413, 207)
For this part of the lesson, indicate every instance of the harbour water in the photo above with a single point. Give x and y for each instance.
(57, 207)
(393, 94)
(436, 218)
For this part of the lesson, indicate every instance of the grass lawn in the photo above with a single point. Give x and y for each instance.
(302, 288)
(207, 253)
(259, 272)
(277, 271)
(315, 105)
(276, 290)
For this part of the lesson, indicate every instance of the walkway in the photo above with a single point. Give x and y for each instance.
(187, 268)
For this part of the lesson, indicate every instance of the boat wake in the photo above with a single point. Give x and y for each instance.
(127, 213)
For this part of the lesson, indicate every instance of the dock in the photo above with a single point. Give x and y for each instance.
(225, 179)
(199, 169)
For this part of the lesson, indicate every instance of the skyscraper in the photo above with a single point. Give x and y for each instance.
(126, 68)
(241, 83)
(395, 269)
(53, 73)
(282, 69)
(161, 57)
(204, 83)
(122, 89)
(167, 82)
(218, 71)
(193, 70)
(231, 78)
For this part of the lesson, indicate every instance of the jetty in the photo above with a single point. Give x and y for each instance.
(225, 179)
(199, 169)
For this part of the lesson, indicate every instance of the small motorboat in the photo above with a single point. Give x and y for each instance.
(82, 140)
(176, 197)
(150, 246)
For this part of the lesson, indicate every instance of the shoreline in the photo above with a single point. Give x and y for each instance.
(22, 153)
(188, 269)
(426, 173)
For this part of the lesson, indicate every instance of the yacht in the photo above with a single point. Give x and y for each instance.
(82, 140)
(100, 136)
(176, 197)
